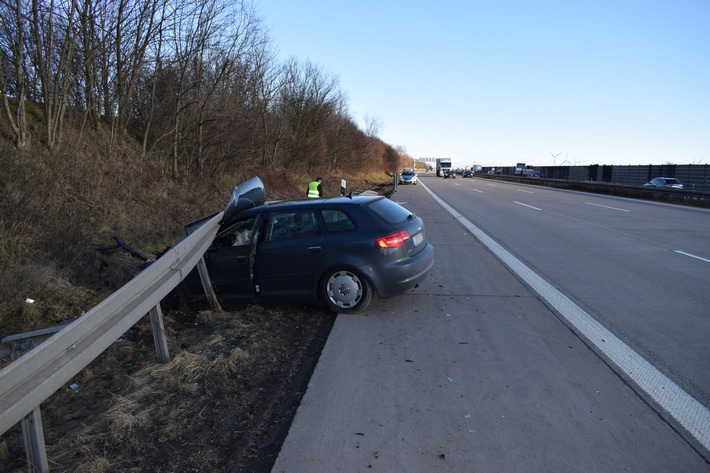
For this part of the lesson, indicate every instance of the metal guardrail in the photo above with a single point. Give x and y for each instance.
(27, 382)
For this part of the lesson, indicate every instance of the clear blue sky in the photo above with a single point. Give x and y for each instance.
(497, 82)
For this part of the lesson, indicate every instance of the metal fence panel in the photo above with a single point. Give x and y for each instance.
(695, 177)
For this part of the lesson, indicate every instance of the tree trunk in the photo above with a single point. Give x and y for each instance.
(16, 40)
(54, 75)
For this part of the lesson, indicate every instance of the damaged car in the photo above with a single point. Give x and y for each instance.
(337, 251)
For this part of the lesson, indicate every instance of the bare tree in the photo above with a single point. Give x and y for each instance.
(211, 54)
(92, 45)
(223, 58)
(13, 74)
(191, 26)
(148, 101)
(341, 130)
(135, 26)
(309, 98)
(266, 83)
(52, 31)
(198, 79)
(373, 126)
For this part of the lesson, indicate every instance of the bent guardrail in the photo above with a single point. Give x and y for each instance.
(27, 382)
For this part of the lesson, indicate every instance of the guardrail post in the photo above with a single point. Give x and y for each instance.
(161, 342)
(207, 285)
(32, 429)
(33, 437)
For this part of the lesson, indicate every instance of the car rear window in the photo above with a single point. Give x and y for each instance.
(389, 211)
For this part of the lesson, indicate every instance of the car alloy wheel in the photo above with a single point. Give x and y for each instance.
(346, 291)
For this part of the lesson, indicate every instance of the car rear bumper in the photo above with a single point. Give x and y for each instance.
(401, 276)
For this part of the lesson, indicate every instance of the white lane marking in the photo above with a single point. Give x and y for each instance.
(476, 190)
(526, 205)
(607, 207)
(680, 405)
(680, 252)
(523, 190)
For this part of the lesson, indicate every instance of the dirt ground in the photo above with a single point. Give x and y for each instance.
(224, 402)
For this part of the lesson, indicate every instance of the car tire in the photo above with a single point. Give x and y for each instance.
(346, 291)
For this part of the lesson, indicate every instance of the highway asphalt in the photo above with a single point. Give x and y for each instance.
(473, 372)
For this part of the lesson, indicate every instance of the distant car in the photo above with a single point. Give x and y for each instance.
(665, 183)
(449, 173)
(467, 173)
(339, 251)
(408, 176)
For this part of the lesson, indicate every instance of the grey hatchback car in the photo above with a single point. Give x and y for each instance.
(664, 183)
(338, 251)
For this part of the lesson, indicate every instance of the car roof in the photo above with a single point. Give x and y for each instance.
(251, 196)
(326, 202)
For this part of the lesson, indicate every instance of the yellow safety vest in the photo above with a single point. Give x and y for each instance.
(313, 189)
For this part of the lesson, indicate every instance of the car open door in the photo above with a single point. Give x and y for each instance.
(230, 261)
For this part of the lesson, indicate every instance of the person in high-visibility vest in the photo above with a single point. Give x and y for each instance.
(315, 189)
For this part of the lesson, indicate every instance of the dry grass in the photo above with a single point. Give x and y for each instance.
(227, 394)
(127, 414)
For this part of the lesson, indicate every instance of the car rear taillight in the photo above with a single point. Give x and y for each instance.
(395, 240)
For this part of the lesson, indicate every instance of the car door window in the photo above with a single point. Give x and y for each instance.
(290, 225)
(337, 221)
(239, 234)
